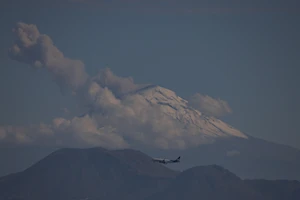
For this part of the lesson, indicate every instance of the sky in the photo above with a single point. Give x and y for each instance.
(244, 53)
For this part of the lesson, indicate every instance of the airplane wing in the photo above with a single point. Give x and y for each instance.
(165, 161)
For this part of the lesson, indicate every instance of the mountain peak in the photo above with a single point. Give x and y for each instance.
(99, 155)
(94, 173)
(208, 171)
(189, 119)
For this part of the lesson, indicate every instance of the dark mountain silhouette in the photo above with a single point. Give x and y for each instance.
(208, 182)
(97, 173)
(276, 189)
(87, 173)
(18, 158)
(250, 158)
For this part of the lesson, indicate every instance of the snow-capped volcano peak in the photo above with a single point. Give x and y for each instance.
(190, 119)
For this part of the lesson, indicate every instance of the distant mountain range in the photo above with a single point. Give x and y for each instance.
(97, 173)
(219, 143)
(248, 158)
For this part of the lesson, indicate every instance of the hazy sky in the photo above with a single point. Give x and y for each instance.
(246, 54)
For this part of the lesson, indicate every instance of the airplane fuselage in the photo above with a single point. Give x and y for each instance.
(166, 161)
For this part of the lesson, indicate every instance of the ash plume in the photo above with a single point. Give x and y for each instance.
(36, 49)
(114, 112)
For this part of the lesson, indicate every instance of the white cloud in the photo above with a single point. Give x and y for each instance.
(209, 106)
(77, 132)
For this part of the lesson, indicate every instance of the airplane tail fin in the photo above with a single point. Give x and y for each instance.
(178, 158)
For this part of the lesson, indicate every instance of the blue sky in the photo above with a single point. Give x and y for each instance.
(246, 54)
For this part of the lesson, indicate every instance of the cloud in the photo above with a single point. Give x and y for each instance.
(232, 153)
(36, 49)
(111, 122)
(77, 132)
(133, 117)
(115, 115)
(2, 133)
(112, 118)
(118, 85)
(209, 106)
(85, 130)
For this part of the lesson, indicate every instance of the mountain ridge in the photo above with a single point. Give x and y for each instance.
(248, 157)
(98, 173)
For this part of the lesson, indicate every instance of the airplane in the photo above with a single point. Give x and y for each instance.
(166, 161)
